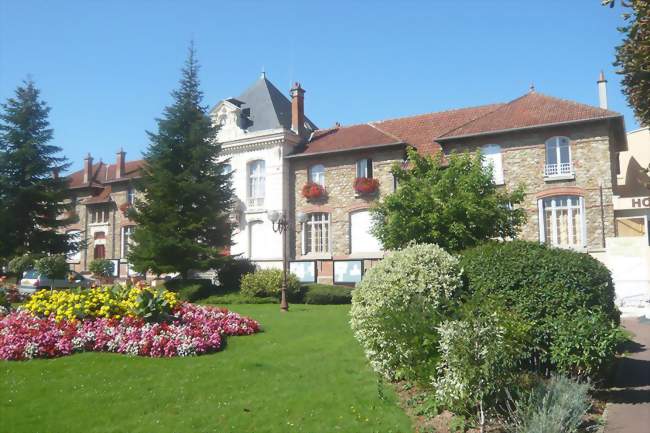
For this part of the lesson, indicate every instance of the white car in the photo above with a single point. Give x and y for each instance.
(32, 282)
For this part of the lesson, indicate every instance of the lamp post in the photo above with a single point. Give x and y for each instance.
(280, 223)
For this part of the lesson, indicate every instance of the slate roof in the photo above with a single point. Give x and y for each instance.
(267, 107)
(105, 174)
(426, 131)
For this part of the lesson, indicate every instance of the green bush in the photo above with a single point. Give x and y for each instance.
(324, 294)
(18, 265)
(232, 271)
(53, 267)
(397, 307)
(585, 343)
(557, 406)
(191, 289)
(101, 268)
(481, 355)
(267, 283)
(237, 298)
(544, 285)
(3, 299)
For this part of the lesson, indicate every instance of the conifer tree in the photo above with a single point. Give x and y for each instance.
(32, 195)
(183, 212)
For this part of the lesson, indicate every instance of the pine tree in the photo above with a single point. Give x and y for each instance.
(183, 216)
(32, 195)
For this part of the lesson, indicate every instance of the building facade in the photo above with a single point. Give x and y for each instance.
(563, 153)
(101, 195)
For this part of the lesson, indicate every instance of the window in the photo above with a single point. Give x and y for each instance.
(98, 214)
(130, 195)
(226, 168)
(256, 180)
(364, 167)
(562, 221)
(257, 246)
(361, 240)
(492, 158)
(127, 232)
(631, 227)
(317, 174)
(558, 157)
(316, 233)
(74, 237)
(100, 252)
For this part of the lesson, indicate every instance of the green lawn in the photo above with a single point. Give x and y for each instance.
(304, 373)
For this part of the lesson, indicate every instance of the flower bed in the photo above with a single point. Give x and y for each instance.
(189, 330)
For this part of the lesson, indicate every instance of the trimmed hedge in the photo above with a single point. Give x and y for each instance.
(325, 294)
(544, 285)
(268, 283)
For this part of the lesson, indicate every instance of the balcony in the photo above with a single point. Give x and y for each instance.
(255, 202)
(561, 171)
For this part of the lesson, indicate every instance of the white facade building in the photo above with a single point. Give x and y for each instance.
(257, 129)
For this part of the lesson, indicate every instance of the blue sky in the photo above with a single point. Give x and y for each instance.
(106, 67)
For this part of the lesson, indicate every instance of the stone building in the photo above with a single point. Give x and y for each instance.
(562, 152)
(101, 193)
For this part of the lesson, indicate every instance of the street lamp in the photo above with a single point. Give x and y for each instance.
(280, 223)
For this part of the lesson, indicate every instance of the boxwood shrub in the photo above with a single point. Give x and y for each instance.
(268, 283)
(545, 285)
(325, 294)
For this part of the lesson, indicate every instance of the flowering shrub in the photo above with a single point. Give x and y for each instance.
(107, 302)
(398, 305)
(192, 330)
(366, 185)
(313, 191)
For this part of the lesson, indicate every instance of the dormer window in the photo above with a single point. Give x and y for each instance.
(558, 158)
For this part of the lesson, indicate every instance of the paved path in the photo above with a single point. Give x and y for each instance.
(628, 407)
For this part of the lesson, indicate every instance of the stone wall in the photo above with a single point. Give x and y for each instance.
(523, 165)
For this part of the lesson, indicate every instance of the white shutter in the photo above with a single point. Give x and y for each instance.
(361, 240)
(492, 156)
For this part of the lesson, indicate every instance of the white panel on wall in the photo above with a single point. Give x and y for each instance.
(361, 240)
(492, 156)
(257, 239)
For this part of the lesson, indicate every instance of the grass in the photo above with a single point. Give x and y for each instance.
(304, 373)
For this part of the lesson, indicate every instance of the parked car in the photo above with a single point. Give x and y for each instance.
(32, 282)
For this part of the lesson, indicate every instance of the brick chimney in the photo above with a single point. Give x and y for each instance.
(298, 109)
(602, 91)
(119, 165)
(88, 168)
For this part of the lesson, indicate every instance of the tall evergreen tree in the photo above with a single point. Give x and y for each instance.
(183, 216)
(32, 196)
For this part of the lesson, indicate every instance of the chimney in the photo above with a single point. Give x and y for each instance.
(298, 109)
(602, 91)
(119, 165)
(88, 168)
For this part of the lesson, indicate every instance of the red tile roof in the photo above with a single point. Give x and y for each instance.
(104, 173)
(531, 110)
(349, 137)
(103, 197)
(425, 130)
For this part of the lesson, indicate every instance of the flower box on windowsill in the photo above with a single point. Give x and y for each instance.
(365, 186)
(313, 191)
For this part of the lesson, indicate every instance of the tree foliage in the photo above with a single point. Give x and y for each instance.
(182, 217)
(633, 56)
(32, 198)
(454, 206)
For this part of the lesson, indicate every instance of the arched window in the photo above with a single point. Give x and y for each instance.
(361, 239)
(256, 183)
(130, 195)
(558, 157)
(317, 174)
(364, 168)
(127, 233)
(316, 233)
(492, 158)
(562, 221)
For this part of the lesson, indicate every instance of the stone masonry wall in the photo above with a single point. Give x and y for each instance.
(523, 156)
